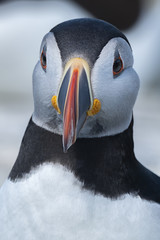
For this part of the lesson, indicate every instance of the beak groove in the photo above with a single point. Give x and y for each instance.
(74, 99)
(70, 113)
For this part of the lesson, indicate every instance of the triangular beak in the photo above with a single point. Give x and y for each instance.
(74, 99)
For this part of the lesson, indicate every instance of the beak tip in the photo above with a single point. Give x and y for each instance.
(66, 146)
(65, 149)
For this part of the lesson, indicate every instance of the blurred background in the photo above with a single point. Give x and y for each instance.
(22, 27)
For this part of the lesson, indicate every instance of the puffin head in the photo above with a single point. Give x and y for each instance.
(84, 84)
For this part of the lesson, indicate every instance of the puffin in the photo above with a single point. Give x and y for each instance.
(76, 175)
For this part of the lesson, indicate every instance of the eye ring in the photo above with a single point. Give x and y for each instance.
(43, 60)
(117, 66)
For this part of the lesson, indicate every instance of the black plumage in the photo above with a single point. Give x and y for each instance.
(105, 165)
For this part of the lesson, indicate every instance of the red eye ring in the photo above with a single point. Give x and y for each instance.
(117, 66)
(43, 60)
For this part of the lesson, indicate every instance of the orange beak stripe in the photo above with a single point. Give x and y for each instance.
(70, 115)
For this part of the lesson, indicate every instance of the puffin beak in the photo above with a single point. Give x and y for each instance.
(74, 99)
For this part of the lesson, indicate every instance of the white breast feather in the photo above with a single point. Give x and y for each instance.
(51, 204)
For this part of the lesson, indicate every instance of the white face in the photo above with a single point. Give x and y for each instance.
(45, 85)
(117, 93)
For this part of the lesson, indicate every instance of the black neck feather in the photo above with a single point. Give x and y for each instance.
(105, 165)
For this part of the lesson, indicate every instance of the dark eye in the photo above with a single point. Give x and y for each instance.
(117, 66)
(43, 59)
